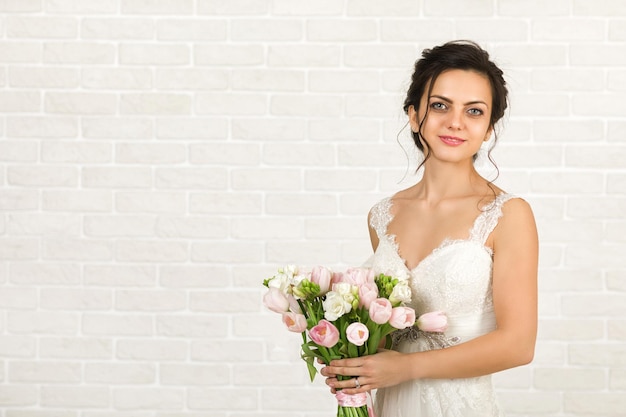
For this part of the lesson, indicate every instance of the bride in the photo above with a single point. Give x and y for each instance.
(468, 247)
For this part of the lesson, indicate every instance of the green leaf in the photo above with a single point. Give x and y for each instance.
(309, 355)
(374, 340)
(388, 342)
(352, 351)
(343, 350)
(310, 364)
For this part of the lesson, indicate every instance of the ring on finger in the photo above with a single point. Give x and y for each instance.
(357, 384)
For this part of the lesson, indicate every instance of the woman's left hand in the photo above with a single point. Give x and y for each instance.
(382, 369)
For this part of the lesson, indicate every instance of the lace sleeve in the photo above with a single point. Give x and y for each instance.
(380, 216)
(488, 219)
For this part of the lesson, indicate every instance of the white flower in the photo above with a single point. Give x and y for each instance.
(289, 270)
(401, 293)
(348, 291)
(282, 282)
(286, 279)
(295, 282)
(297, 279)
(335, 306)
(345, 289)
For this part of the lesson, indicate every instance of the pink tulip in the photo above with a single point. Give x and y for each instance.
(323, 277)
(357, 333)
(402, 317)
(368, 292)
(380, 310)
(324, 334)
(435, 321)
(294, 322)
(358, 276)
(275, 300)
(293, 304)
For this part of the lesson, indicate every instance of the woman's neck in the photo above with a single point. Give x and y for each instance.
(443, 181)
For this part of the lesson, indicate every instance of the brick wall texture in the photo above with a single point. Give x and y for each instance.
(159, 158)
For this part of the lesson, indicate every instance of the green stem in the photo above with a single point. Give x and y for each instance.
(303, 309)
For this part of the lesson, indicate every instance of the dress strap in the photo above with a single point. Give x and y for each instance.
(488, 219)
(380, 216)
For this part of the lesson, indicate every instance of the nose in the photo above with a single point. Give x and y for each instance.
(455, 120)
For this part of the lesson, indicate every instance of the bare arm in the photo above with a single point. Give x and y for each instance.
(512, 344)
(373, 235)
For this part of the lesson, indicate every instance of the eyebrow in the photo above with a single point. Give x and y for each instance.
(447, 100)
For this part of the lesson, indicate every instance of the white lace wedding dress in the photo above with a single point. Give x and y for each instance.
(456, 279)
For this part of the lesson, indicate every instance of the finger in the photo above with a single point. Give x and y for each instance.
(350, 386)
(327, 372)
(344, 370)
(350, 362)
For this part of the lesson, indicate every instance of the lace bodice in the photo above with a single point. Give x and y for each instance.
(454, 278)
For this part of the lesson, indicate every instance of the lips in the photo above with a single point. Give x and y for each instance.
(451, 140)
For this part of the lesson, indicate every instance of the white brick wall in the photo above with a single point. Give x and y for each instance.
(159, 158)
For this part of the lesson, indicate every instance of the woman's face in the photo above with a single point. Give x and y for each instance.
(459, 112)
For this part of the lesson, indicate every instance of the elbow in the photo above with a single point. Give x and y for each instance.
(519, 350)
(524, 355)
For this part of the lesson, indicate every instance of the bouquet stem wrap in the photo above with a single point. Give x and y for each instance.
(355, 405)
(354, 400)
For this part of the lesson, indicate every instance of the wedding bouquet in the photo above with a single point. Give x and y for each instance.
(343, 315)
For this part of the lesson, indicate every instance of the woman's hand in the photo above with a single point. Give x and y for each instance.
(383, 369)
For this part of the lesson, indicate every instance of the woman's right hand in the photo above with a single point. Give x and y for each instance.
(365, 373)
(328, 376)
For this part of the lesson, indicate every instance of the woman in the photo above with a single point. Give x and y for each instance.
(468, 248)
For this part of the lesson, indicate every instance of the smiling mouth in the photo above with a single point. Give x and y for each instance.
(451, 140)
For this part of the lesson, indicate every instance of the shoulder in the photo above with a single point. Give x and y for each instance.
(506, 203)
(382, 212)
(514, 206)
(379, 212)
(378, 218)
(386, 208)
(517, 222)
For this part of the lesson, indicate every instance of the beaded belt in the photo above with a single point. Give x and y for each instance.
(435, 340)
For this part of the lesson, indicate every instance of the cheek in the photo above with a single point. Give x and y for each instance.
(432, 124)
(485, 131)
(478, 126)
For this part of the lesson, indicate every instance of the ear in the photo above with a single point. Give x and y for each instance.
(415, 126)
(488, 134)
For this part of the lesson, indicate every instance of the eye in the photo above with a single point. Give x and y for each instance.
(476, 112)
(437, 105)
